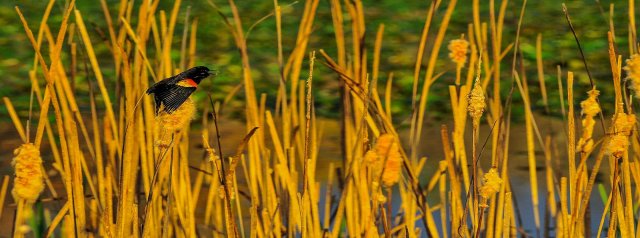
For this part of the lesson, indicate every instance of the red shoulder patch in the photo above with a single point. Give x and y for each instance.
(188, 83)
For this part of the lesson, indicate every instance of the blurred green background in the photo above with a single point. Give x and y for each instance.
(403, 25)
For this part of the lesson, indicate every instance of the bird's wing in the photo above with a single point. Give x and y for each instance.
(157, 85)
(172, 97)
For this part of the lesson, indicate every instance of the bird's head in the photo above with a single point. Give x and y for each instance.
(198, 73)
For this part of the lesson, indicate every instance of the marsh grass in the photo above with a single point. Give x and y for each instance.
(126, 174)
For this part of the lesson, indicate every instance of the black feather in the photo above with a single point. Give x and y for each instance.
(172, 97)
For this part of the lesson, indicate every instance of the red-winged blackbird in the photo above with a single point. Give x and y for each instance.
(173, 91)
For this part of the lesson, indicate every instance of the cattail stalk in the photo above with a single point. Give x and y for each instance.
(475, 107)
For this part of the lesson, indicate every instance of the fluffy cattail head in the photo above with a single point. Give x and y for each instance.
(167, 123)
(622, 126)
(458, 51)
(632, 68)
(590, 106)
(385, 159)
(179, 118)
(29, 180)
(491, 184)
(476, 103)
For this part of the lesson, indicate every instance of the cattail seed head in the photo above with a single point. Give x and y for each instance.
(167, 123)
(632, 69)
(476, 103)
(622, 127)
(458, 51)
(29, 178)
(590, 108)
(491, 184)
(179, 118)
(385, 159)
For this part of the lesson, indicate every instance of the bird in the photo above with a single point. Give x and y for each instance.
(174, 91)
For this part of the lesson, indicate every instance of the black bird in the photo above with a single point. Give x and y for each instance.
(173, 91)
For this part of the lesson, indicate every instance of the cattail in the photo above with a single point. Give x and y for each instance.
(632, 68)
(167, 123)
(476, 103)
(590, 108)
(622, 126)
(458, 51)
(385, 149)
(179, 118)
(28, 182)
(491, 184)
(231, 175)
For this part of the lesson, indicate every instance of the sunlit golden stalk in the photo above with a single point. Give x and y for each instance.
(507, 215)
(530, 149)
(420, 52)
(633, 48)
(376, 54)
(549, 177)
(540, 67)
(456, 204)
(307, 133)
(571, 137)
(459, 105)
(504, 174)
(443, 199)
(3, 192)
(613, 216)
(41, 30)
(428, 81)
(96, 68)
(387, 96)
(49, 131)
(14, 118)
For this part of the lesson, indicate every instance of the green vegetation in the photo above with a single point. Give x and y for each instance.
(403, 22)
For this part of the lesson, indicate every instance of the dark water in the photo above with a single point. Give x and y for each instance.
(431, 147)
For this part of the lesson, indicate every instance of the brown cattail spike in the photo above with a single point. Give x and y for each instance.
(28, 182)
(458, 51)
(167, 123)
(622, 127)
(476, 104)
(386, 149)
(632, 68)
(590, 108)
(491, 184)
